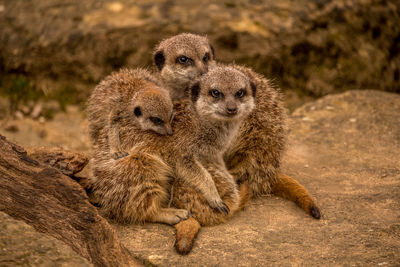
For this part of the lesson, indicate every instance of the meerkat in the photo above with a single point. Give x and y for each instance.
(226, 94)
(132, 97)
(215, 83)
(134, 188)
(132, 94)
(182, 59)
(255, 154)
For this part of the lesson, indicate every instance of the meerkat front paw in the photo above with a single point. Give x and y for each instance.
(182, 214)
(119, 154)
(220, 206)
(171, 216)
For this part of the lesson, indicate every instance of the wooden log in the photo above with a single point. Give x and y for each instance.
(67, 162)
(56, 205)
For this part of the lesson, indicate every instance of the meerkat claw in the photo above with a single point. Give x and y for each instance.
(185, 217)
(222, 207)
(183, 214)
(225, 209)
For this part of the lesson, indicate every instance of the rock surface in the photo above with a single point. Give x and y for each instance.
(311, 47)
(21, 245)
(345, 149)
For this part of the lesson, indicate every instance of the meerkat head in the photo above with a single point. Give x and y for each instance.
(223, 93)
(153, 110)
(182, 58)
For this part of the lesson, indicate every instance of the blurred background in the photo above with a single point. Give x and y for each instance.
(53, 52)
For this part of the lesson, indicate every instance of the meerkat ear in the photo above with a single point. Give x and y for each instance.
(253, 88)
(159, 59)
(195, 91)
(212, 51)
(137, 111)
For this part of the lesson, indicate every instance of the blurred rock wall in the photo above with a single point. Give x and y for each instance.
(314, 47)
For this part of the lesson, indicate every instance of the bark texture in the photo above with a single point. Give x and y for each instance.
(56, 205)
(66, 162)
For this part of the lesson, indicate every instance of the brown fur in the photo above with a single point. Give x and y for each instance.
(116, 97)
(289, 188)
(255, 154)
(134, 188)
(185, 197)
(226, 80)
(178, 76)
(187, 230)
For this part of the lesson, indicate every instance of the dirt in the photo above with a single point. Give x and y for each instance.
(21, 245)
(344, 148)
(67, 130)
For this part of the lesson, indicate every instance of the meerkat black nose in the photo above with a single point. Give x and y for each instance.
(231, 110)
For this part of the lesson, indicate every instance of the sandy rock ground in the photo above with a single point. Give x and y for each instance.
(344, 148)
(21, 245)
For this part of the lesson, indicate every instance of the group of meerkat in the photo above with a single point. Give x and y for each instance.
(188, 145)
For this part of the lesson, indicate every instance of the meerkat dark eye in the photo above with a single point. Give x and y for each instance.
(156, 120)
(206, 58)
(215, 93)
(137, 111)
(182, 59)
(241, 93)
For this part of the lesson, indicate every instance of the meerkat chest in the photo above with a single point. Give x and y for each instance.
(214, 139)
(232, 135)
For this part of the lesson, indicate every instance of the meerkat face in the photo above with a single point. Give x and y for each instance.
(181, 59)
(153, 110)
(224, 93)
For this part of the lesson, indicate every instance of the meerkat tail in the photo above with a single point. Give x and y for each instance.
(245, 195)
(289, 188)
(186, 232)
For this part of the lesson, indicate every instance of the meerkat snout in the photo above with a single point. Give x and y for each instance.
(223, 93)
(231, 108)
